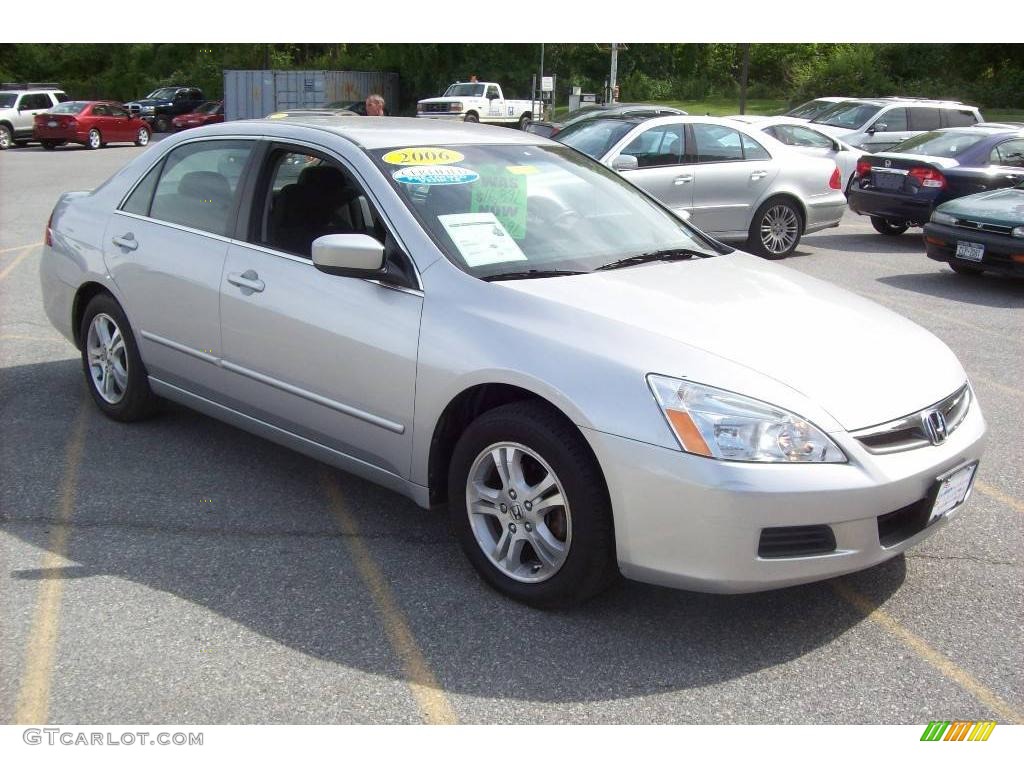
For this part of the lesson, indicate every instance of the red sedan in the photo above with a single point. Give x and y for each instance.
(207, 113)
(92, 123)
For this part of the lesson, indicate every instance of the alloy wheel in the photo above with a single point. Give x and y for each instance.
(108, 358)
(519, 512)
(780, 229)
(94, 139)
(143, 139)
(5, 137)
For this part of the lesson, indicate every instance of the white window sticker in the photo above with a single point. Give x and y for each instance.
(481, 238)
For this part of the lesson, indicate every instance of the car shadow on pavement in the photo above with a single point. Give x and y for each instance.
(870, 242)
(987, 290)
(189, 507)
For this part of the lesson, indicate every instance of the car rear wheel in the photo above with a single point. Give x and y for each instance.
(6, 140)
(530, 508)
(21, 142)
(95, 140)
(964, 269)
(888, 226)
(49, 144)
(524, 122)
(776, 228)
(114, 372)
(142, 138)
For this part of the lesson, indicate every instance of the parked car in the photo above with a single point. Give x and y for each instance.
(548, 129)
(18, 108)
(93, 124)
(979, 233)
(164, 104)
(480, 103)
(735, 183)
(591, 384)
(900, 189)
(876, 125)
(811, 109)
(207, 113)
(805, 139)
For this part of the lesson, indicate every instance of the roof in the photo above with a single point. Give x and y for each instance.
(381, 132)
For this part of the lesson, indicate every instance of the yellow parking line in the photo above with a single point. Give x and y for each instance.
(17, 260)
(999, 496)
(40, 649)
(1003, 710)
(18, 247)
(23, 337)
(434, 705)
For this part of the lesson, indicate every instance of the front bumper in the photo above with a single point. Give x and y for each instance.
(1003, 253)
(696, 523)
(442, 115)
(895, 207)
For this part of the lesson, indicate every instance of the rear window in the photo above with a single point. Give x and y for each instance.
(69, 108)
(959, 118)
(939, 143)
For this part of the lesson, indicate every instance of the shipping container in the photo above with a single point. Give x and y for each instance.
(255, 93)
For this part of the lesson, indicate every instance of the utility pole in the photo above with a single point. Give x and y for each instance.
(613, 74)
(541, 81)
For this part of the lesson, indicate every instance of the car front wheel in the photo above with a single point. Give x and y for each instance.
(6, 140)
(530, 508)
(888, 226)
(114, 372)
(776, 228)
(142, 137)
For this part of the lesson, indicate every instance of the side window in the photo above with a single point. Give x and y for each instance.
(35, 101)
(117, 111)
(199, 184)
(958, 118)
(492, 92)
(752, 150)
(100, 110)
(717, 143)
(923, 118)
(139, 200)
(60, 97)
(194, 95)
(1009, 153)
(805, 137)
(894, 119)
(664, 145)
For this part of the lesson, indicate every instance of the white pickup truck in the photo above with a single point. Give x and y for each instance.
(480, 103)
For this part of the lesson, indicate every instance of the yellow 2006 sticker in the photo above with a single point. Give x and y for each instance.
(423, 156)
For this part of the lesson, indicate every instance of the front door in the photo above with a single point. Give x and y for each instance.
(663, 166)
(330, 358)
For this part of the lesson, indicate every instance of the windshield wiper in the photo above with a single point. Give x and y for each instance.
(668, 254)
(531, 273)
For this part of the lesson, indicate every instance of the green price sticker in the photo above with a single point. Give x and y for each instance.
(502, 193)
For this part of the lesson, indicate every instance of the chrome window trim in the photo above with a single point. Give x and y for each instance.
(173, 225)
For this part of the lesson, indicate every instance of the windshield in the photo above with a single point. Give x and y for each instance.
(938, 143)
(811, 109)
(501, 209)
(164, 94)
(594, 137)
(69, 108)
(465, 89)
(7, 100)
(847, 115)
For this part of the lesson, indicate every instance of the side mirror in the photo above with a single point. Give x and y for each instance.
(349, 255)
(625, 163)
(836, 146)
(882, 127)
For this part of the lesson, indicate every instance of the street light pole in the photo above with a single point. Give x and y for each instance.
(614, 73)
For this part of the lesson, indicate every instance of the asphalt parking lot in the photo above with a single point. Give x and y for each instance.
(183, 571)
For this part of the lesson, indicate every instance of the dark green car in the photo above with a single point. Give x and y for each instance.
(979, 233)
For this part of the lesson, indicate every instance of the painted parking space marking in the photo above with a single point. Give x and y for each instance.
(17, 260)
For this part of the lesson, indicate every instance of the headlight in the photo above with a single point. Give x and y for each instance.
(723, 425)
(1017, 231)
(943, 218)
(148, 110)
(455, 106)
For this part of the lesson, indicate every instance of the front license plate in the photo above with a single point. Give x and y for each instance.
(52, 124)
(970, 251)
(953, 489)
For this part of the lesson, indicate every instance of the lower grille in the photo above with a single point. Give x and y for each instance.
(905, 522)
(796, 541)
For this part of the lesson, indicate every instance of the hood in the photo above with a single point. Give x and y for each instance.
(1000, 206)
(861, 362)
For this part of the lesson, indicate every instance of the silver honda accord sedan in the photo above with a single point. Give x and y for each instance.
(491, 321)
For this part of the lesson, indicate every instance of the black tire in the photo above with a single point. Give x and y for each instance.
(589, 566)
(49, 144)
(471, 117)
(887, 227)
(756, 243)
(162, 124)
(964, 269)
(524, 122)
(95, 139)
(6, 137)
(138, 401)
(21, 142)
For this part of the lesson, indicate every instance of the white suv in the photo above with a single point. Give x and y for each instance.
(18, 107)
(876, 125)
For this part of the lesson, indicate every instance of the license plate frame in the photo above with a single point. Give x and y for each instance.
(970, 251)
(951, 490)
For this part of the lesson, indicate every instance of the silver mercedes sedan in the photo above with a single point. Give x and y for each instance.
(730, 179)
(491, 321)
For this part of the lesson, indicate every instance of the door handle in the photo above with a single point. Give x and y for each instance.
(758, 175)
(126, 241)
(247, 281)
(686, 178)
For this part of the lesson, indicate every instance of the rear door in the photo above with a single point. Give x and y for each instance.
(664, 167)
(103, 122)
(332, 359)
(165, 248)
(732, 175)
(28, 106)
